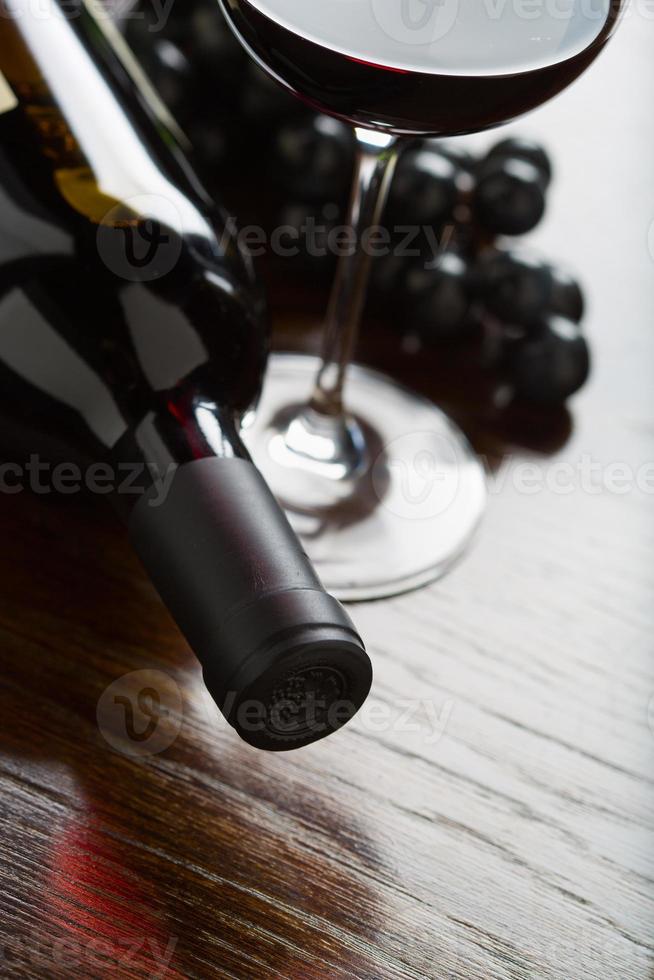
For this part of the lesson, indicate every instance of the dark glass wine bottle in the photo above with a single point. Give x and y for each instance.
(132, 343)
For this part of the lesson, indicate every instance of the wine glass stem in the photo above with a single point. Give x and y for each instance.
(376, 155)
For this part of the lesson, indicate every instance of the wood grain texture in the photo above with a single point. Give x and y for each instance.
(510, 833)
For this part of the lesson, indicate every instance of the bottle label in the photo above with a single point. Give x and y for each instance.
(8, 100)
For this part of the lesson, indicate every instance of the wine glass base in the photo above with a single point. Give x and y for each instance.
(400, 521)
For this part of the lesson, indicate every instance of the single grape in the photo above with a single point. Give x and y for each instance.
(566, 297)
(436, 301)
(548, 366)
(387, 274)
(314, 158)
(508, 198)
(516, 148)
(424, 190)
(172, 76)
(514, 286)
(165, 65)
(453, 151)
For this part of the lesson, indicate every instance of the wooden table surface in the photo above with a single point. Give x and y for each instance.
(510, 832)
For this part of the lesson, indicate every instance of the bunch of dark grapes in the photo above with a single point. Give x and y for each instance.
(444, 273)
(526, 311)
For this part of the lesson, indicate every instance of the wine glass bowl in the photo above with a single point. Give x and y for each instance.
(421, 67)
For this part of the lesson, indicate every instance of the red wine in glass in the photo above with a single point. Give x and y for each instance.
(440, 67)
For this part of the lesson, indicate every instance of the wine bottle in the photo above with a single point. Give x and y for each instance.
(132, 344)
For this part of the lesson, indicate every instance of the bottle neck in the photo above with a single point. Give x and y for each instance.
(187, 426)
(281, 658)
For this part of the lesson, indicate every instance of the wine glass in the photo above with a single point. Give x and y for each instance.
(383, 489)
